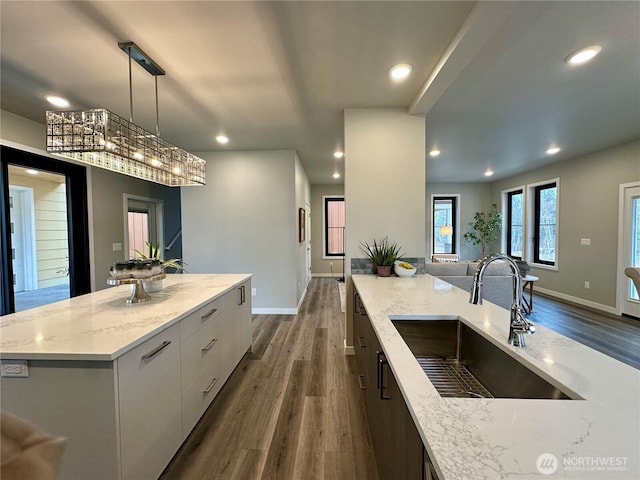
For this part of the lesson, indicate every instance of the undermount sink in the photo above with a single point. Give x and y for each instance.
(462, 363)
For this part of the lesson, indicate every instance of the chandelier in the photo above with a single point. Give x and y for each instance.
(103, 139)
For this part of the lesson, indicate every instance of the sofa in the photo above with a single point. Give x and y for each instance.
(497, 284)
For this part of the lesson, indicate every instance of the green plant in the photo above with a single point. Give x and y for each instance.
(383, 253)
(154, 254)
(485, 228)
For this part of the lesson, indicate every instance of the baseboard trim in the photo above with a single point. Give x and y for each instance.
(304, 294)
(348, 349)
(330, 275)
(577, 300)
(274, 311)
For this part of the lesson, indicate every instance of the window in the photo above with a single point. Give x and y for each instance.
(515, 223)
(545, 223)
(444, 224)
(334, 223)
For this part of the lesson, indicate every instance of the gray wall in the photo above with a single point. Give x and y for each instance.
(107, 207)
(320, 266)
(474, 197)
(302, 200)
(589, 191)
(245, 221)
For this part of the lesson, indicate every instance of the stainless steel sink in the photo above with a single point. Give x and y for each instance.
(462, 363)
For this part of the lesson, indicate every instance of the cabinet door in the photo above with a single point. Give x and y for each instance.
(397, 445)
(150, 405)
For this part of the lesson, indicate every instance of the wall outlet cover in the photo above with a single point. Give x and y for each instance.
(14, 368)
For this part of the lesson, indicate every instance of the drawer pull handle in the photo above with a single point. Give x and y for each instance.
(211, 385)
(157, 350)
(208, 346)
(207, 315)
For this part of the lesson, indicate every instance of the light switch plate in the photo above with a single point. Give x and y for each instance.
(585, 241)
(117, 247)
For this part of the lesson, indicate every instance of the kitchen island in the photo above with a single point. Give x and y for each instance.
(595, 435)
(125, 384)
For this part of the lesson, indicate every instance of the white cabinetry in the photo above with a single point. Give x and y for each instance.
(150, 405)
(125, 417)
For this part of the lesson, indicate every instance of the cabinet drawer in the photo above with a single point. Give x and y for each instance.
(149, 405)
(201, 317)
(197, 397)
(200, 349)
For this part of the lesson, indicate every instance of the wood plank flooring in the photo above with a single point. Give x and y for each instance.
(616, 336)
(291, 409)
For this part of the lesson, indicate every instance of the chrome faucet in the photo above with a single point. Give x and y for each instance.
(519, 326)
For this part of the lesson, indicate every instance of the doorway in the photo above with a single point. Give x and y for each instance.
(143, 218)
(629, 251)
(45, 249)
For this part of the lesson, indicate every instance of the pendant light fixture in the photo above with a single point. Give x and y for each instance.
(103, 139)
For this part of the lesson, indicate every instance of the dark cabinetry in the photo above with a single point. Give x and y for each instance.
(396, 442)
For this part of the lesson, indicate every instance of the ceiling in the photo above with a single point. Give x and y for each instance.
(490, 76)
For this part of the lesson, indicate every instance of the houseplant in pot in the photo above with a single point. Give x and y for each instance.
(154, 254)
(382, 254)
(484, 229)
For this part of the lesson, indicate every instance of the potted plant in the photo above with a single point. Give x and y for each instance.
(382, 255)
(154, 254)
(485, 228)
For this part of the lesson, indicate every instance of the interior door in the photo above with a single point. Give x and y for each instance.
(630, 248)
(142, 224)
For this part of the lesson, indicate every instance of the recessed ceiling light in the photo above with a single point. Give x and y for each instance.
(552, 151)
(336, 175)
(31, 171)
(583, 55)
(222, 139)
(57, 101)
(338, 154)
(435, 152)
(400, 71)
(488, 173)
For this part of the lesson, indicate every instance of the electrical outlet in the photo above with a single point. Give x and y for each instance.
(587, 285)
(254, 292)
(14, 368)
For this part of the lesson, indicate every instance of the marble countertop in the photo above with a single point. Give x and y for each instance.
(597, 437)
(100, 325)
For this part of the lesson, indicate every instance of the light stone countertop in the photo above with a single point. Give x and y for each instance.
(594, 438)
(100, 325)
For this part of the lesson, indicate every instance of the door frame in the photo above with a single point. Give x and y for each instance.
(77, 221)
(28, 226)
(159, 219)
(622, 280)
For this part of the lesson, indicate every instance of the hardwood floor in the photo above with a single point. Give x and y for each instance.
(291, 409)
(616, 336)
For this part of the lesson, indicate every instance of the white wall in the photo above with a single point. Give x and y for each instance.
(245, 221)
(384, 182)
